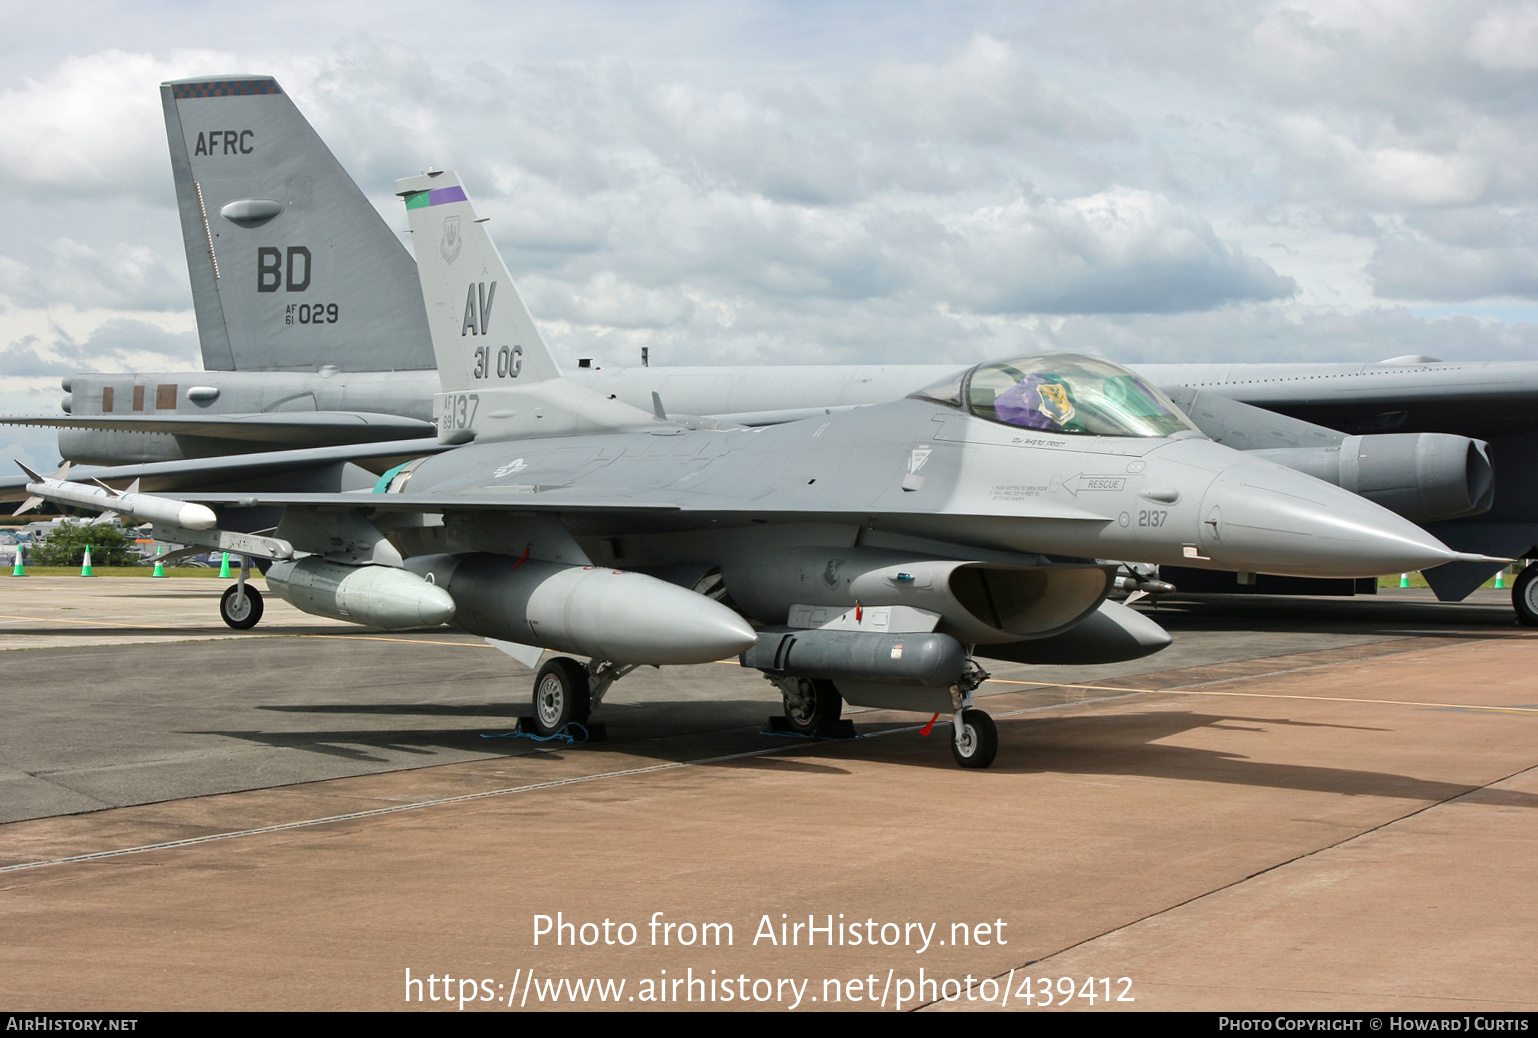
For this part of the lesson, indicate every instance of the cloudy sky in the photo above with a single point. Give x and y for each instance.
(758, 182)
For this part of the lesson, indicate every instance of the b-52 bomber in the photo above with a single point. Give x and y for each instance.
(868, 556)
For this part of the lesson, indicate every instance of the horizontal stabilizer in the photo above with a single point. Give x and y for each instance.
(170, 476)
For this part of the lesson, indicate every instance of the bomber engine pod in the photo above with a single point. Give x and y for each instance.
(379, 596)
(586, 610)
(1422, 476)
(934, 660)
(978, 602)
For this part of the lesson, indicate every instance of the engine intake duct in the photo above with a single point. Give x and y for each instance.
(978, 602)
(1422, 476)
(1112, 634)
(932, 660)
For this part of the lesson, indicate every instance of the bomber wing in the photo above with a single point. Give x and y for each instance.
(316, 428)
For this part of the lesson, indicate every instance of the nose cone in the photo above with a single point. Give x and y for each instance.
(1258, 516)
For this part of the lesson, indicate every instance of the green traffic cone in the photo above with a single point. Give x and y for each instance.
(85, 564)
(224, 567)
(1404, 580)
(1500, 579)
(160, 564)
(20, 569)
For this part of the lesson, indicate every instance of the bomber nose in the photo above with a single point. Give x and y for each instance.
(1259, 516)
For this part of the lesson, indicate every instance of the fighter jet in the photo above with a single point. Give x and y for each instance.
(869, 556)
(313, 335)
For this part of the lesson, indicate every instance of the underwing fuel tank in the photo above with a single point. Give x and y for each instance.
(586, 610)
(379, 596)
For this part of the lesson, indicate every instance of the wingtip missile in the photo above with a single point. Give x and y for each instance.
(147, 508)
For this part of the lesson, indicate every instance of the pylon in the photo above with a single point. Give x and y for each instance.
(20, 569)
(224, 567)
(1404, 580)
(160, 564)
(85, 564)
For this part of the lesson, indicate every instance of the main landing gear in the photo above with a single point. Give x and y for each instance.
(241, 606)
(1524, 595)
(566, 692)
(811, 705)
(561, 695)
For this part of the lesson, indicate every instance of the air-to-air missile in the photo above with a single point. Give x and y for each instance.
(146, 508)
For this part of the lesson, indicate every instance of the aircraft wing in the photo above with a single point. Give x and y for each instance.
(1483, 400)
(585, 500)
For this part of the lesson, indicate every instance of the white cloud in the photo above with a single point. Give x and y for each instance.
(985, 92)
(93, 125)
(729, 183)
(1505, 38)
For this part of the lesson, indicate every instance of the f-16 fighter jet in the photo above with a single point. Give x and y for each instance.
(869, 556)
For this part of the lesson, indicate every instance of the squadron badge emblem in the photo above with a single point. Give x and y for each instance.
(452, 242)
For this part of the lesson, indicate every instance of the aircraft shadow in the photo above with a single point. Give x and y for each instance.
(1131, 744)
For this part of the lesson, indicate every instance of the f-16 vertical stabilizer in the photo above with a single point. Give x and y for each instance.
(499, 379)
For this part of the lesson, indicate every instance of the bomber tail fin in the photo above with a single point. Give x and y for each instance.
(292, 268)
(482, 332)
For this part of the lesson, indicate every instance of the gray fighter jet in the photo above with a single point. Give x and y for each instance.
(310, 320)
(867, 556)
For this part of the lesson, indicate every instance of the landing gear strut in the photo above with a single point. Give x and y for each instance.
(975, 738)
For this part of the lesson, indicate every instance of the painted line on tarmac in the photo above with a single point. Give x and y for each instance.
(236, 634)
(1202, 688)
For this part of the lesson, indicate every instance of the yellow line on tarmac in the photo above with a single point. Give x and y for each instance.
(380, 638)
(91, 623)
(1527, 710)
(216, 630)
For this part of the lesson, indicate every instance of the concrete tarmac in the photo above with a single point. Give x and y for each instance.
(1301, 805)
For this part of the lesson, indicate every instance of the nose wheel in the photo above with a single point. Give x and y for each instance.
(976, 739)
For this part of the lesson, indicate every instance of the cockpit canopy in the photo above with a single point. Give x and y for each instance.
(1061, 393)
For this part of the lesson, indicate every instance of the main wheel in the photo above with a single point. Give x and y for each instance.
(814, 702)
(561, 695)
(241, 611)
(1524, 595)
(978, 742)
